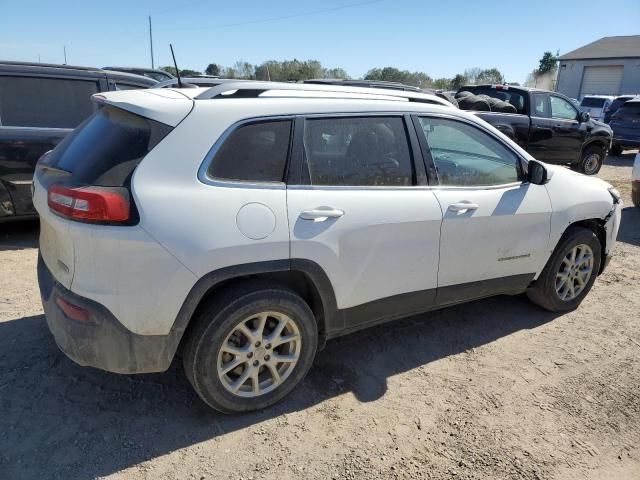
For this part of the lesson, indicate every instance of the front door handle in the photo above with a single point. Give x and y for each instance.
(321, 214)
(463, 206)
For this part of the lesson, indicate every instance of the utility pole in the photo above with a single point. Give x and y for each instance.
(65, 54)
(151, 42)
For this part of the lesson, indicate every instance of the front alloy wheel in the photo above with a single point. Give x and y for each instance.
(570, 271)
(574, 273)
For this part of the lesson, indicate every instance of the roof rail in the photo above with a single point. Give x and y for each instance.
(253, 89)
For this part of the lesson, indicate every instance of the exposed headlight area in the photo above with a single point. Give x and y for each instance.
(615, 194)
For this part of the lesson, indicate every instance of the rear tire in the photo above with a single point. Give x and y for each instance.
(548, 291)
(616, 150)
(230, 330)
(591, 161)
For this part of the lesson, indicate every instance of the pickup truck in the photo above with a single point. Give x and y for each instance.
(39, 105)
(548, 126)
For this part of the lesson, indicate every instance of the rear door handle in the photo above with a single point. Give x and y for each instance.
(463, 206)
(321, 214)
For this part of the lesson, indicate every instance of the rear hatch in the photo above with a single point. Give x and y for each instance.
(87, 177)
(625, 123)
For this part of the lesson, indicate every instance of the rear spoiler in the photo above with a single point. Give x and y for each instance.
(165, 106)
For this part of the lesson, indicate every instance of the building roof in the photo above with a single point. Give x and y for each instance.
(607, 47)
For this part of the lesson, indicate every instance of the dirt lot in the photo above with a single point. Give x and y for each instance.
(493, 389)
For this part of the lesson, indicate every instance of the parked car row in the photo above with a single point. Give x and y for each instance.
(301, 213)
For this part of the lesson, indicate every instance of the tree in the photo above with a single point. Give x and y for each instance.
(490, 75)
(458, 81)
(183, 73)
(169, 69)
(244, 70)
(213, 69)
(442, 83)
(547, 63)
(335, 73)
(471, 74)
(392, 74)
(189, 73)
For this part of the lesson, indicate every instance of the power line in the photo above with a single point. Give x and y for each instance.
(273, 19)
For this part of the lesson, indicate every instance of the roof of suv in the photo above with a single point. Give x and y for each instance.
(171, 105)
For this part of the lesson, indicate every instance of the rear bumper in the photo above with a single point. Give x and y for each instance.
(102, 342)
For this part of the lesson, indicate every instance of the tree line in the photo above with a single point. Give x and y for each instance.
(294, 70)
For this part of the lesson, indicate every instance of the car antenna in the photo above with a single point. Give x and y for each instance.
(175, 64)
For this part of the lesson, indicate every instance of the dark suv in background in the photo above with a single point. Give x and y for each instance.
(615, 105)
(625, 124)
(39, 105)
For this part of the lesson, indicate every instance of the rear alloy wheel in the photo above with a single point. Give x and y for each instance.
(259, 354)
(249, 347)
(569, 273)
(592, 159)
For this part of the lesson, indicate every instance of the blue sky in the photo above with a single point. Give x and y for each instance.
(440, 38)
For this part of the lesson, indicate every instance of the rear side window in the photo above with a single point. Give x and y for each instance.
(45, 102)
(540, 105)
(106, 149)
(256, 152)
(362, 151)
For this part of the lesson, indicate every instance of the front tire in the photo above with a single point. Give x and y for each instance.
(592, 160)
(250, 347)
(570, 272)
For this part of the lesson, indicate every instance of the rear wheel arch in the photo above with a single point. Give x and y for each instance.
(305, 278)
(597, 142)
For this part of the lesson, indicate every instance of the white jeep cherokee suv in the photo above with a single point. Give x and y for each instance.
(245, 224)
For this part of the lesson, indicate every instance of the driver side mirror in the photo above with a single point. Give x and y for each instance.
(537, 173)
(584, 116)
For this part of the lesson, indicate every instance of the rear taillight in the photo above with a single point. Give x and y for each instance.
(89, 204)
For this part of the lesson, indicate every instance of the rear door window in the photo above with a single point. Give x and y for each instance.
(256, 152)
(45, 102)
(540, 107)
(105, 150)
(358, 151)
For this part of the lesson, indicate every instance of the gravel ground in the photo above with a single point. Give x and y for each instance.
(493, 389)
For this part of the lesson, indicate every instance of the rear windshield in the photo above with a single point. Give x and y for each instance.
(593, 102)
(107, 147)
(510, 96)
(630, 110)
